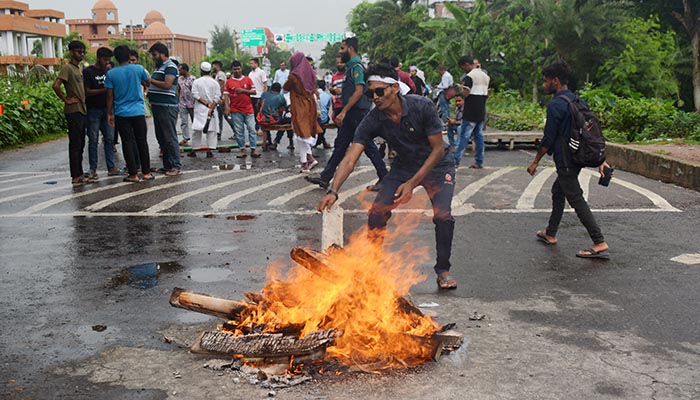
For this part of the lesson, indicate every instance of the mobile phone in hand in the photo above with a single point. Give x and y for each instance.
(607, 175)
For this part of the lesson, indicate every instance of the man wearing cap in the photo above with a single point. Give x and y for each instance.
(412, 127)
(207, 95)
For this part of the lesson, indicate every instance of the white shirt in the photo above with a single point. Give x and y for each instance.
(446, 81)
(209, 90)
(259, 78)
(281, 76)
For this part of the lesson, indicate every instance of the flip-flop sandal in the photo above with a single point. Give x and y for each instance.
(446, 282)
(149, 178)
(543, 238)
(590, 253)
(132, 180)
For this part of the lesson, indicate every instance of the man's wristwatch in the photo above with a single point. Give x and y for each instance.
(333, 192)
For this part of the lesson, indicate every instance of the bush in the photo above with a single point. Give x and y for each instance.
(43, 115)
(510, 112)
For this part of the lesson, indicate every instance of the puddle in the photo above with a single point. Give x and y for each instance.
(143, 276)
(207, 275)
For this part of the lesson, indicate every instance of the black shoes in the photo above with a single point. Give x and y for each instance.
(317, 180)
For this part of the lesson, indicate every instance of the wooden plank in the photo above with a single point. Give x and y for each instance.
(265, 345)
(205, 304)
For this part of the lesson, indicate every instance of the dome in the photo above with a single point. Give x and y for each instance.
(104, 5)
(158, 29)
(153, 16)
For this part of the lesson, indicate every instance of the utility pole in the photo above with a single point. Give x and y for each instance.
(235, 44)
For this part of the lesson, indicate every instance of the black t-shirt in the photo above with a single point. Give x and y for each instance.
(95, 79)
(475, 103)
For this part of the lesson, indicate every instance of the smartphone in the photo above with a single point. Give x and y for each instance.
(607, 175)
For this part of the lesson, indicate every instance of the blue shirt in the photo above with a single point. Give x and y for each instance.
(125, 82)
(409, 139)
(164, 97)
(558, 129)
(325, 100)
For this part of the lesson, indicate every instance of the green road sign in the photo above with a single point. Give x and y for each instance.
(253, 37)
(314, 37)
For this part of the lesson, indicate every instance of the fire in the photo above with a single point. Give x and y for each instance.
(357, 295)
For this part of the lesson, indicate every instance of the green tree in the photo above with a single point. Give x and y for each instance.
(690, 20)
(221, 38)
(328, 55)
(37, 49)
(646, 65)
(145, 58)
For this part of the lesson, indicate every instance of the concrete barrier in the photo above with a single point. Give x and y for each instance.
(655, 166)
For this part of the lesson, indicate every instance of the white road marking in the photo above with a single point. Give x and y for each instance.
(471, 189)
(223, 203)
(53, 189)
(346, 194)
(27, 178)
(584, 180)
(687, 259)
(172, 201)
(655, 198)
(527, 199)
(289, 196)
(107, 202)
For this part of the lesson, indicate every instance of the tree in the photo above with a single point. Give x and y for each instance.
(145, 58)
(37, 49)
(690, 20)
(328, 55)
(221, 38)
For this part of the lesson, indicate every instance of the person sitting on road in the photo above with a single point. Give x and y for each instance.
(273, 107)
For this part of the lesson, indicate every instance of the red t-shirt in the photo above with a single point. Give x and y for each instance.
(240, 102)
(337, 82)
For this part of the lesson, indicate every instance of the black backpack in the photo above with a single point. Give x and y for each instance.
(586, 143)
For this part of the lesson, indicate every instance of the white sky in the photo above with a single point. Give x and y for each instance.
(187, 18)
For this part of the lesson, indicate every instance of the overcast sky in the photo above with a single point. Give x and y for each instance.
(188, 18)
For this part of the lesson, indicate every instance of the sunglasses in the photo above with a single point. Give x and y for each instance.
(379, 91)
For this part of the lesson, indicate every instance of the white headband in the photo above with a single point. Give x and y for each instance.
(402, 86)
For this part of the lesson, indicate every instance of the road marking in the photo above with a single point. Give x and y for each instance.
(346, 194)
(527, 199)
(223, 203)
(16, 187)
(27, 178)
(687, 259)
(53, 189)
(107, 202)
(655, 198)
(171, 202)
(289, 196)
(584, 180)
(471, 189)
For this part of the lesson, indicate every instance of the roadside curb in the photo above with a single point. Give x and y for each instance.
(655, 166)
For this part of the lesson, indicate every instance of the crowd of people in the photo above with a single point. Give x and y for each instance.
(366, 103)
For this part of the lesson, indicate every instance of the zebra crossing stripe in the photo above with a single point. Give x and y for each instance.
(26, 178)
(22, 186)
(584, 180)
(527, 199)
(658, 201)
(172, 201)
(346, 194)
(289, 196)
(461, 198)
(59, 199)
(223, 203)
(687, 259)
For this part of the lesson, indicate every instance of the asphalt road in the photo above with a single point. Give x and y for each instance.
(556, 326)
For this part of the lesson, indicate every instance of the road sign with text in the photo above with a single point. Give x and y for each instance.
(253, 37)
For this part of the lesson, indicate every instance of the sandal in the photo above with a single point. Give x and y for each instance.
(590, 253)
(115, 172)
(542, 237)
(173, 172)
(446, 282)
(132, 180)
(159, 170)
(78, 182)
(148, 177)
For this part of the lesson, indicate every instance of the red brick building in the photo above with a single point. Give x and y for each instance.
(104, 25)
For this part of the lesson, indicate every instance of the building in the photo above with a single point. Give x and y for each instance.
(105, 25)
(440, 11)
(20, 26)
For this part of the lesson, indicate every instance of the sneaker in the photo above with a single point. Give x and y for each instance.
(317, 180)
(210, 154)
(192, 154)
(312, 164)
(476, 166)
(305, 169)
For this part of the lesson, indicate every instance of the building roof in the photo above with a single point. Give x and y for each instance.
(154, 16)
(157, 28)
(104, 5)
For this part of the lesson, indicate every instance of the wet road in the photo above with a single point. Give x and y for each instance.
(626, 328)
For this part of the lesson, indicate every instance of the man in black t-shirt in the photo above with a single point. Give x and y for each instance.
(96, 102)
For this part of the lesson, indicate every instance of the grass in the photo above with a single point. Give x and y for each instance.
(40, 139)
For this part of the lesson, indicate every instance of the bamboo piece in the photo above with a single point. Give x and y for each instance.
(205, 304)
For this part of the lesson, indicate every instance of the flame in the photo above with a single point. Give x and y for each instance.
(359, 298)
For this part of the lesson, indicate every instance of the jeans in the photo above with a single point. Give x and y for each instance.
(567, 187)
(186, 118)
(239, 123)
(440, 189)
(452, 131)
(346, 132)
(97, 121)
(444, 107)
(134, 143)
(76, 143)
(466, 131)
(164, 120)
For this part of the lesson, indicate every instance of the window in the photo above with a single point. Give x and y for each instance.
(110, 30)
(94, 16)
(93, 29)
(144, 45)
(110, 16)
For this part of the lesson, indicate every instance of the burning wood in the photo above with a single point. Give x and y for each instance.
(264, 344)
(205, 304)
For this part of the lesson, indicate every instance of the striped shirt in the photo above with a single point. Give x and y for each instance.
(164, 97)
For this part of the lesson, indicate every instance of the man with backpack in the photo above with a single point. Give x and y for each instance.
(560, 143)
